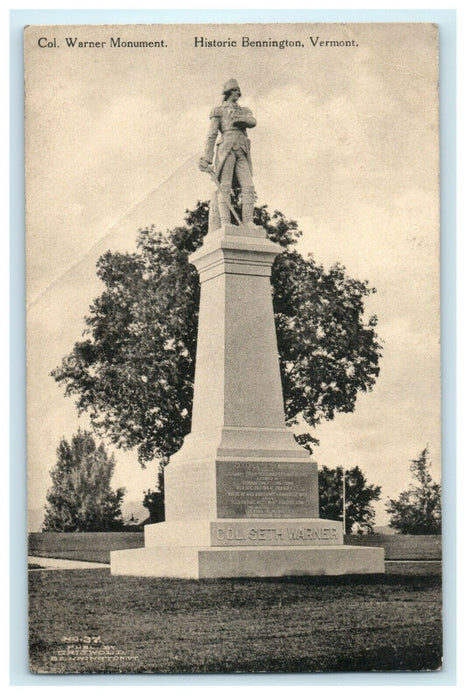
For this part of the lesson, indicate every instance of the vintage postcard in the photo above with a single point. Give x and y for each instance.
(233, 348)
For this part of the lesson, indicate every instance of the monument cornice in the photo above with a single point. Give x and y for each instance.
(225, 251)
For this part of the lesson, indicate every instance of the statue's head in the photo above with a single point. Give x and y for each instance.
(230, 87)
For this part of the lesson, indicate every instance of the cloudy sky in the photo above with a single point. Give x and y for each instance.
(346, 143)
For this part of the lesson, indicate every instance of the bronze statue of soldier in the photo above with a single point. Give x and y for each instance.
(232, 163)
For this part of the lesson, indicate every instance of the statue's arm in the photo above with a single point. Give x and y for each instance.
(247, 119)
(212, 135)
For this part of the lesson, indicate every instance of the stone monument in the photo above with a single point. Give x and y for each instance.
(241, 496)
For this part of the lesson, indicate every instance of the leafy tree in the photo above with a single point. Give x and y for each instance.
(134, 370)
(417, 511)
(80, 499)
(154, 501)
(359, 496)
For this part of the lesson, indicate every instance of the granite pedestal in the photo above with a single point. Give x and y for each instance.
(241, 496)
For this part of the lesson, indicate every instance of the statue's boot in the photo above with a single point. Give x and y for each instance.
(248, 198)
(223, 207)
(214, 216)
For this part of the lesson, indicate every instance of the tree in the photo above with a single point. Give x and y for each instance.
(154, 501)
(359, 496)
(134, 370)
(417, 511)
(80, 499)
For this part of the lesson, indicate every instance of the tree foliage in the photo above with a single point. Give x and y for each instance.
(81, 499)
(134, 370)
(417, 511)
(154, 501)
(359, 496)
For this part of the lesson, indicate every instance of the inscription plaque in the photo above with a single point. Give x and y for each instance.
(276, 532)
(266, 490)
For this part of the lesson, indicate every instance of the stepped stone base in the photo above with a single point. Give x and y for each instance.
(247, 562)
(244, 532)
(246, 548)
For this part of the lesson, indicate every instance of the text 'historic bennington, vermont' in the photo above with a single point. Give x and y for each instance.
(199, 42)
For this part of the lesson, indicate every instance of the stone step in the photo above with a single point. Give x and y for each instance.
(245, 532)
(247, 562)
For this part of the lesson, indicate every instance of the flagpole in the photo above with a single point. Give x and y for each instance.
(344, 502)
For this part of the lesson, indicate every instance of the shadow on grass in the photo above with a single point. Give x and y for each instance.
(277, 625)
(344, 580)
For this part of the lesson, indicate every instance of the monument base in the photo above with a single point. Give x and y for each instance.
(246, 549)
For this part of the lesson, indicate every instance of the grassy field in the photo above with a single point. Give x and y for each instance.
(83, 546)
(96, 546)
(89, 622)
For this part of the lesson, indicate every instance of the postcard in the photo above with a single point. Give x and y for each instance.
(233, 356)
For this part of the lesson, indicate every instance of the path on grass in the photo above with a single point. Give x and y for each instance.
(47, 563)
(414, 567)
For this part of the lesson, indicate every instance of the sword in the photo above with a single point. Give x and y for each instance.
(217, 185)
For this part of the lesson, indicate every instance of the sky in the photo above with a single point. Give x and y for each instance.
(346, 143)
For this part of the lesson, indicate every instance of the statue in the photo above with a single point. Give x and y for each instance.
(232, 158)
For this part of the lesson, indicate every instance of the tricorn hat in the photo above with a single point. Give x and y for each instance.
(231, 84)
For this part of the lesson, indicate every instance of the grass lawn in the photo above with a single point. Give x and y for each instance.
(90, 622)
(83, 546)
